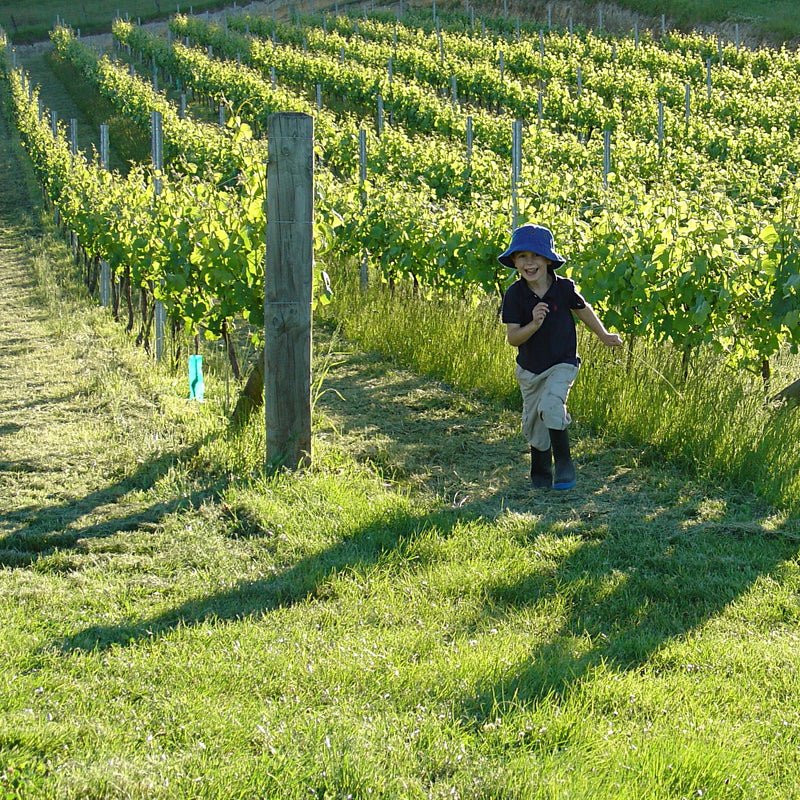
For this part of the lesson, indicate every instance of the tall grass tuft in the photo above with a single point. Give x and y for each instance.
(714, 421)
(717, 422)
(459, 341)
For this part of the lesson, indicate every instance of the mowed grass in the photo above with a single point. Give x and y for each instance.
(778, 20)
(717, 423)
(423, 657)
(30, 22)
(333, 634)
(403, 620)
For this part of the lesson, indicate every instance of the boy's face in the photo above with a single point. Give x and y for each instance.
(531, 267)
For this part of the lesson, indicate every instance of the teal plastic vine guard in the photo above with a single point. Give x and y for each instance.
(196, 385)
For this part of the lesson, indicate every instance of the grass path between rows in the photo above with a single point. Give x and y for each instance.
(65, 448)
(405, 620)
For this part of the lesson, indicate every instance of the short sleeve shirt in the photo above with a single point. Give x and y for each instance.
(556, 341)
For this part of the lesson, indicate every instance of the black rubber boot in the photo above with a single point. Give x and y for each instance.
(564, 471)
(541, 468)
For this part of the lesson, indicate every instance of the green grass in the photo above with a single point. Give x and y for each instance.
(404, 619)
(333, 635)
(716, 423)
(132, 144)
(779, 20)
(26, 22)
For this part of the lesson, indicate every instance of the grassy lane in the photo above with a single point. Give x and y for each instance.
(80, 424)
(55, 95)
(26, 22)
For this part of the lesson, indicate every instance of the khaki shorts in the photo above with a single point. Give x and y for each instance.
(544, 402)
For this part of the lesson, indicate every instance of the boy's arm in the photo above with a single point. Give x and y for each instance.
(517, 335)
(588, 317)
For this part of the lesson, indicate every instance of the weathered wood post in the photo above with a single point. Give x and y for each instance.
(73, 136)
(362, 181)
(287, 289)
(516, 169)
(157, 148)
(105, 269)
(73, 148)
(606, 156)
(470, 138)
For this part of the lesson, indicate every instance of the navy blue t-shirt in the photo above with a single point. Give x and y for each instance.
(556, 342)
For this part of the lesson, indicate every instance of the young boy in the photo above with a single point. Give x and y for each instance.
(538, 313)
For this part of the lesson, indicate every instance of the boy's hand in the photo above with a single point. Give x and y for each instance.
(540, 311)
(611, 339)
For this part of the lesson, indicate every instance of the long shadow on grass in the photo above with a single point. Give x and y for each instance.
(38, 530)
(404, 423)
(645, 563)
(308, 578)
(650, 557)
(626, 589)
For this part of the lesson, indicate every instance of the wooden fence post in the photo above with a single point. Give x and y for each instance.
(470, 138)
(606, 156)
(157, 146)
(287, 289)
(73, 136)
(362, 182)
(105, 269)
(516, 169)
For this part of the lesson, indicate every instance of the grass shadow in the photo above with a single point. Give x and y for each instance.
(306, 579)
(652, 555)
(415, 428)
(650, 577)
(41, 530)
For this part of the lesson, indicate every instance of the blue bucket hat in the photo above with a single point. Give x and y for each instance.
(536, 239)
